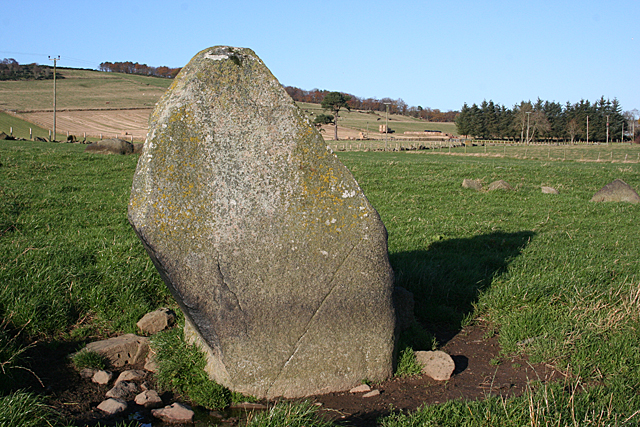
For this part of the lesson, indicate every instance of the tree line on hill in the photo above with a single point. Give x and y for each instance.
(11, 70)
(129, 67)
(546, 121)
(396, 106)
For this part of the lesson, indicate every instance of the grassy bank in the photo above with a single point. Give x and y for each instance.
(555, 276)
(21, 128)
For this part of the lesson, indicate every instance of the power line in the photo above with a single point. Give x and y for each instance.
(23, 53)
(67, 58)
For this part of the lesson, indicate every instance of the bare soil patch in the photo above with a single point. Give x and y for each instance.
(475, 377)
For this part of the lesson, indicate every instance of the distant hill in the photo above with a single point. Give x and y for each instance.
(109, 95)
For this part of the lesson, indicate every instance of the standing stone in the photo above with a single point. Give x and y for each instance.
(616, 191)
(264, 238)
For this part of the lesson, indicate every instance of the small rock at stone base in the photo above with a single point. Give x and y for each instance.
(112, 406)
(128, 348)
(149, 399)
(362, 388)
(549, 190)
(372, 393)
(88, 373)
(131, 375)
(150, 363)
(123, 390)
(156, 321)
(216, 414)
(175, 413)
(436, 364)
(102, 377)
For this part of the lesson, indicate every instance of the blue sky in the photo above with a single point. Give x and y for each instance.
(436, 54)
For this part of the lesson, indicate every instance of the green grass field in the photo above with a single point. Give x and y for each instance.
(555, 276)
(83, 89)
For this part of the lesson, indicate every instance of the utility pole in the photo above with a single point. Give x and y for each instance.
(528, 115)
(55, 60)
(607, 129)
(386, 128)
(587, 130)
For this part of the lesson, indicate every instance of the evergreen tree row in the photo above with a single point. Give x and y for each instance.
(544, 121)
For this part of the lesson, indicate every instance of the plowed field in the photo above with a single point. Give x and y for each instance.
(124, 124)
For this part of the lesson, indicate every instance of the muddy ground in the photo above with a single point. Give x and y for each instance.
(479, 372)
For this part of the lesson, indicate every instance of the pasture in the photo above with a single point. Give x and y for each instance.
(555, 277)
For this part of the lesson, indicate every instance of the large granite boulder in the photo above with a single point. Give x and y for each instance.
(264, 238)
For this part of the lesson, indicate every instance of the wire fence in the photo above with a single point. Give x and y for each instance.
(593, 152)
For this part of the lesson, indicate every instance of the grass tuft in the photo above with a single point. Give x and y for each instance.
(181, 369)
(89, 359)
(408, 365)
(288, 414)
(23, 409)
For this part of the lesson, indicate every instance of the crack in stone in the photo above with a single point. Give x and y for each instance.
(226, 286)
(306, 328)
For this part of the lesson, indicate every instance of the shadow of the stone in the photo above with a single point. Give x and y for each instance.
(447, 278)
(462, 363)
